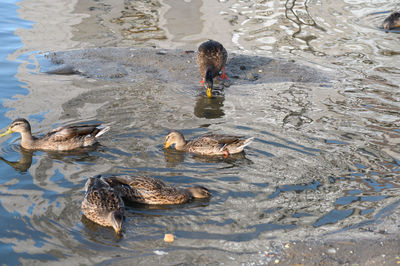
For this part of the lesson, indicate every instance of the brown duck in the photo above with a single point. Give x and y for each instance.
(60, 139)
(392, 21)
(102, 204)
(212, 144)
(211, 59)
(148, 190)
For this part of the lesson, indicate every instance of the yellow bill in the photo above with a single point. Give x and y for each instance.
(167, 144)
(209, 94)
(9, 131)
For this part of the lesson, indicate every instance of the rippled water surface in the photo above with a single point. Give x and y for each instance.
(325, 159)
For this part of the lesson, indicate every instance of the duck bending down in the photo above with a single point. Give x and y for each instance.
(60, 139)
(392, 21)
(212, 144)
(149, 190)
(102, 204)
(211, 59)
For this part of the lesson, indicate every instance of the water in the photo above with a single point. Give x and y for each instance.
(325, 159)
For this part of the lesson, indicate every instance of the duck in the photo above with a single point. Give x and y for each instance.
(102, 204)
(211, 59)
(63, 138)
(392, 21)
(149, 190)
(209, 144)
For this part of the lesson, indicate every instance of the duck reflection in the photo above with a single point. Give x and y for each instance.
(209, 108)
(98, 232)
(174, 157)
(24, 162)
(232, 160)
(76, 155)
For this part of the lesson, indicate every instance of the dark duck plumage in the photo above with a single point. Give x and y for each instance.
(148, 190)
(102, 204)
(392, 21)
(210, 144)
(60, 139)
(211, 59)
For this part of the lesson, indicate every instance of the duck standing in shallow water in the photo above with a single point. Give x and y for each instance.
(212, 144)
(211, 59)
(60, 139)
(102, 204)
(148, 190)
(392, 21)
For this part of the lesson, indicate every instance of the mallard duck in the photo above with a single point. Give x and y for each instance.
(392, 21)
(60, 139)
(102, 204)
(148, 190)
(212, 144)
(211, 59)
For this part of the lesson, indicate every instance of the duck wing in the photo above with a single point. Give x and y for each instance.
(216, 139)
(137, 188)
(147, 190)
(69, 132)
(211, 55)
(140, 182)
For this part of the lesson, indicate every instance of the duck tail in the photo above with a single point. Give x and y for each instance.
(123, 179)
(102, 131)
(247, 142)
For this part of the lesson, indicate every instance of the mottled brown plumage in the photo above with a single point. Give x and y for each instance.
(60, 139)
(392, 21)
(212, 144)
(148, 190)
(211, 59)
(102, 204)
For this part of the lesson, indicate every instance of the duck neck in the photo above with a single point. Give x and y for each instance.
(27, 139)
(180, 144)
(210, 74)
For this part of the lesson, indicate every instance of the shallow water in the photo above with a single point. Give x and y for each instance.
(325, 159)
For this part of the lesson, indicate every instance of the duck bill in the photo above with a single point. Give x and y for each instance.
(9, 131)
(167, 145)
(118, 231)
(209, 92)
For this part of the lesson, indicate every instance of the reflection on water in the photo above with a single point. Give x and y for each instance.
(173, 157)
(325, 159)
(209, 108)
(24, 162)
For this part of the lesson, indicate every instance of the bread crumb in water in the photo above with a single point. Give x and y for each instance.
(169, 238)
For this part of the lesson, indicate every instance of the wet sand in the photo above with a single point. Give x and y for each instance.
(176, 66)
(359, 251)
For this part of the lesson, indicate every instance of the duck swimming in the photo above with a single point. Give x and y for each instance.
(60, 139)
(211, 59)
(148, 190)
(102, 204)
(392, 21)
(212, 144)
